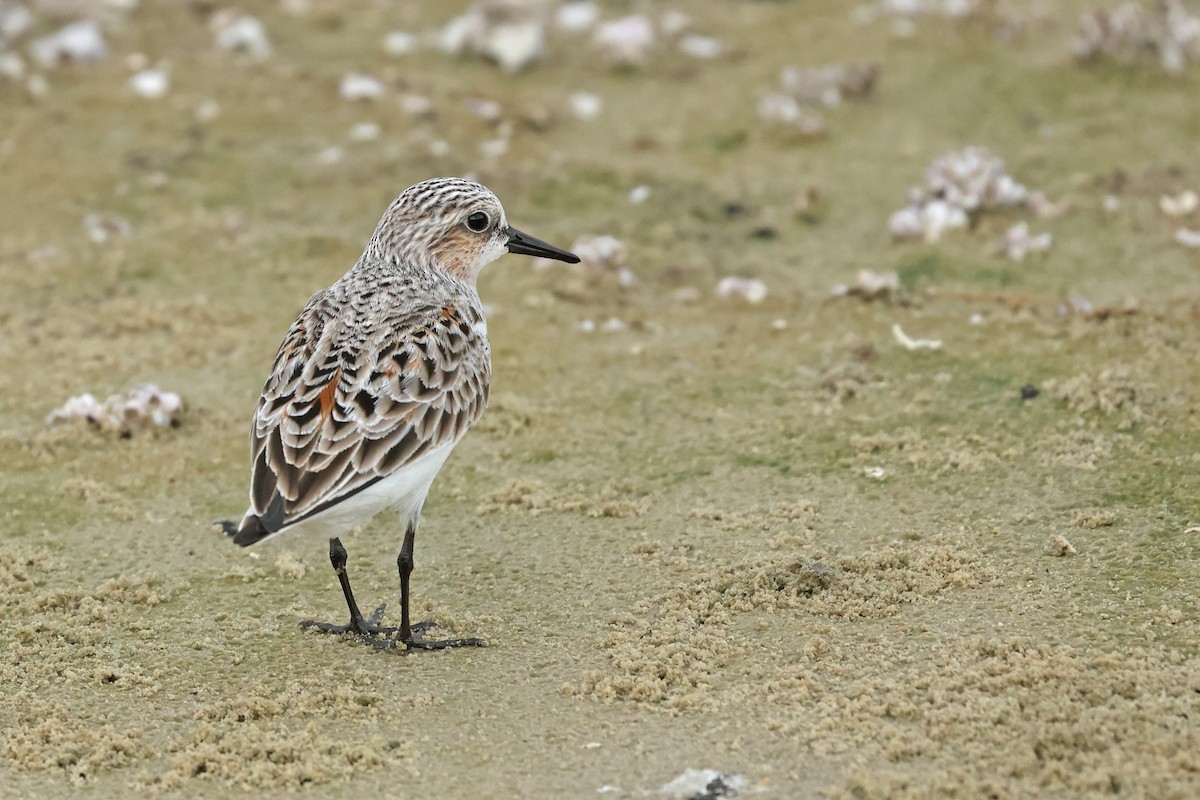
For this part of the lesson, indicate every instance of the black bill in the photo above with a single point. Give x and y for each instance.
(526, 245)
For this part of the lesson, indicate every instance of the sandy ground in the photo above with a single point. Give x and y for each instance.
(762, 539)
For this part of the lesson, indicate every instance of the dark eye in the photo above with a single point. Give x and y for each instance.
(478, 222)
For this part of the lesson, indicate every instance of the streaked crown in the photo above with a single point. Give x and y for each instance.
(446, 223)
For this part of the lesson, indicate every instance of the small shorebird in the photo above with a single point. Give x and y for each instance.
(376, 381)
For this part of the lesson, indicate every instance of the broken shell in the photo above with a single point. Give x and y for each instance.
(752, 290)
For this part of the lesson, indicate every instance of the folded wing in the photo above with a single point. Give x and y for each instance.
(347, 405)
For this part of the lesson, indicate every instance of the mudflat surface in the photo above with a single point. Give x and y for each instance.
(758, 538)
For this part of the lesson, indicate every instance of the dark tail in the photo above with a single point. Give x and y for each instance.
(255, 528)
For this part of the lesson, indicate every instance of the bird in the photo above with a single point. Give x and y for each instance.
(376, 381)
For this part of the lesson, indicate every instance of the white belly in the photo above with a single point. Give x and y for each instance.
(403, 490)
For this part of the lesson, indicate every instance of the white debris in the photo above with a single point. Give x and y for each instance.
(360, 86)
(704, 47)
(751, 289)
(365, 132)
(80, 42)
(510, 32)
(785, 111)
(417, 105)
(143, 405)
(830, 84)
(331, 155)
(207, 110)
(102, 227)
(870, 285)
(604, 253)
(585, 105)
(12, 66)
(975, 319)
(1110, 203)
(914, 344)
(15, 22)
(485, 108)
(576, 17)
(150, 83)
(1043, 207)
(673, 22)
(639, 195)
(626, 41)
(585, 326)
(37, 86)
(927, 221)
(973, 179)
(1165, 28)
(913, 8)
(1017, 243)
(1188, 237)
(241, 32)
(1180, 205)
(960, 182)
(875, 473)
(693, 783)
(399, 43)
(493, 149)
(613, 325)
(1060, 546)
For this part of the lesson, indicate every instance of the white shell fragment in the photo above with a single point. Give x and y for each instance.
(365, 132)
(577, 16)
(242, 33)
(703, 47)
(870, 285)
(512, 33)
(1166, 28)
(752, 290)
(102, 227)
(585, 105)
(15, 21)
(784, 111)
(927, 221)
(140, 407)
(12, 66)
(703, 783)
(960, 182)
(1043, 207)
(359, 86)
(673, 22)
(1017, 243)
(1180, 205)
(626, 41)
(416, 105)
(150, 83)
(829, 85)
(606, 253)
(908, 343)
(399, 43)
(973, 179)
(639, 194)
(1187, 237)
(80, 42)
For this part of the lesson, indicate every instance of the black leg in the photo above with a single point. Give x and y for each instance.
(366, 628)
(409, 634)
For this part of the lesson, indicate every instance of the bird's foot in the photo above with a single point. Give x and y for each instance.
(415, 642)
(365, 629)
(381, 637)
